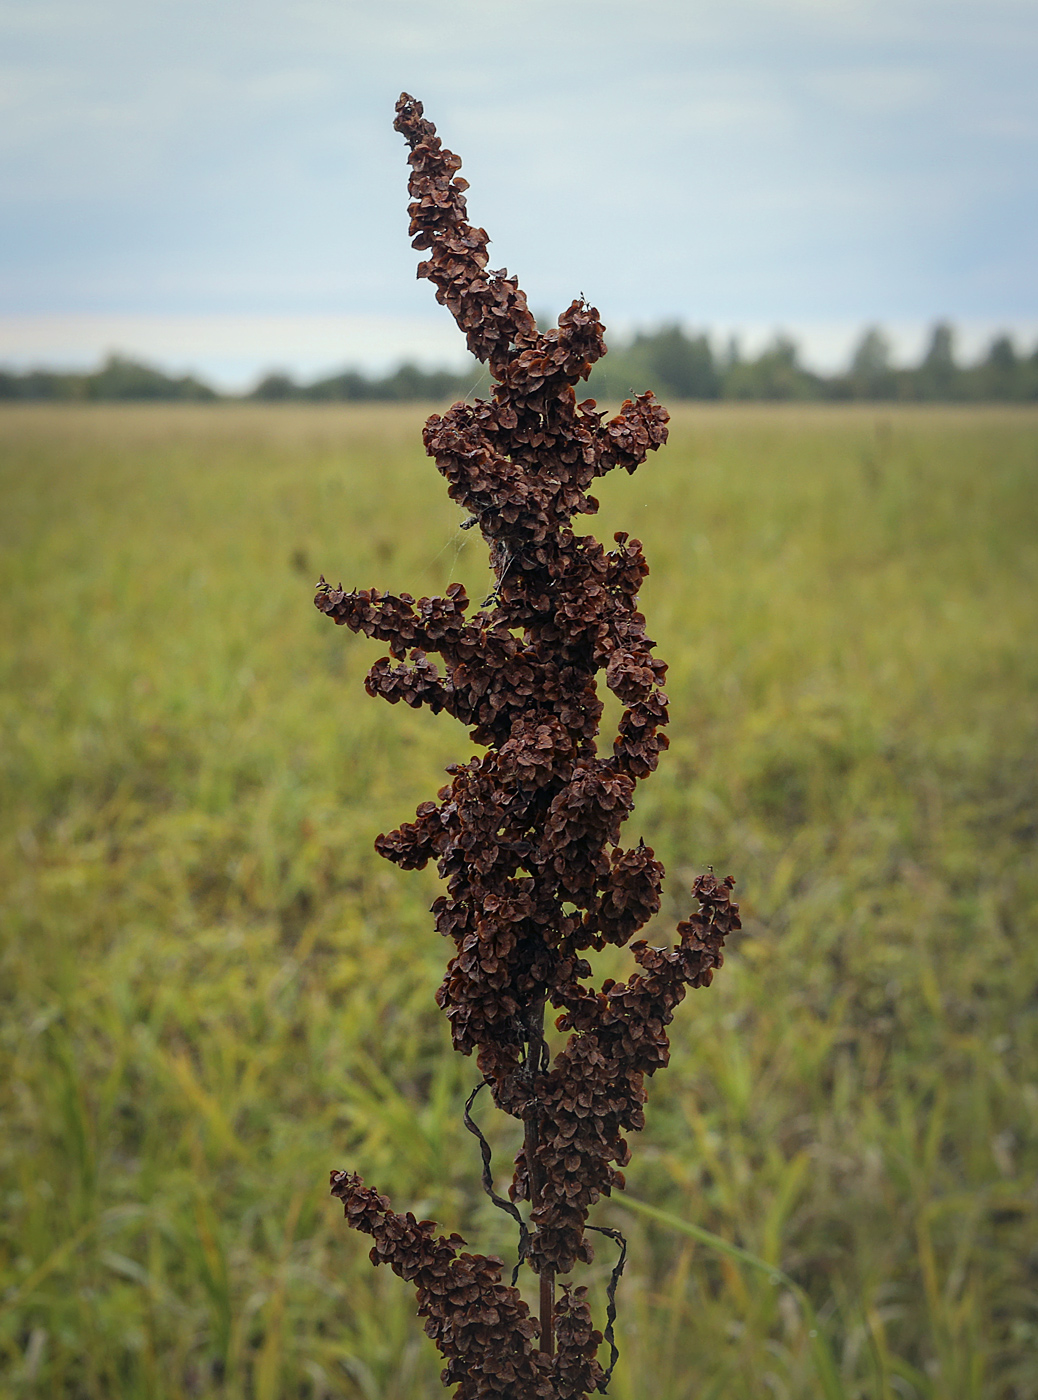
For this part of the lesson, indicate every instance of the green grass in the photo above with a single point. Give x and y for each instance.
(213, 991)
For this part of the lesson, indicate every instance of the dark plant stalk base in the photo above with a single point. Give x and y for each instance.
(527, 836)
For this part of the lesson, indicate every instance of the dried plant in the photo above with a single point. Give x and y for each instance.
(527, 836)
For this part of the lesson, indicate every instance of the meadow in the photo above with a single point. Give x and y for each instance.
(213, 991)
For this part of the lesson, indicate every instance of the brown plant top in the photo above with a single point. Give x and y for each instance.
(527, 835)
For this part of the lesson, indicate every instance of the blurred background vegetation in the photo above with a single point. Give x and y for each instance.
(677, 364)
(213, 992)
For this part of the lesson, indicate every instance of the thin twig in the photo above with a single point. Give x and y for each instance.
(618, 1268)
(488, 1181)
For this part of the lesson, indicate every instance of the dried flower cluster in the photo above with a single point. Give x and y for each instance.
(527, 836)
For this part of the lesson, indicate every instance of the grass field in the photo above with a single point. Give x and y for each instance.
(213, 991)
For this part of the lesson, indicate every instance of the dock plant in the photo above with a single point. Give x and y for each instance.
(526, 835)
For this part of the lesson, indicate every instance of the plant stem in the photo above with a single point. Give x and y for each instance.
(534, 1055)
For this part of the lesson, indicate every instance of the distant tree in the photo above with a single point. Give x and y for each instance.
(1029, 376)
(871, 374)
(406, 384)
(617, 375)
(938, 377)
(39, 384)
(118, 379)
(1003, 375)
(681, 366)
(776, 375)
(122, 378)
(1002, 356)
(675, 364)
(411, 384)
(350, 386)
(276, 388)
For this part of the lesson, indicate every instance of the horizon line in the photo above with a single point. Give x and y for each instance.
(234, 350)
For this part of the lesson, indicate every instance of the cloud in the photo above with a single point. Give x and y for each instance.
(739, 158)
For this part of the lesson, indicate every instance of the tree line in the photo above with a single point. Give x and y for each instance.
(677, 364)
(118, 379)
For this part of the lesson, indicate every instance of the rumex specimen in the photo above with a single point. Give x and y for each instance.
(527, 836)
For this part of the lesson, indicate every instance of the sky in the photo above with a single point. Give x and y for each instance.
(216, 184)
